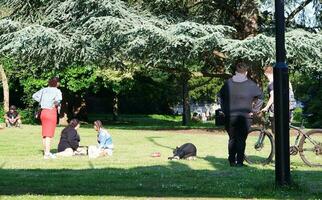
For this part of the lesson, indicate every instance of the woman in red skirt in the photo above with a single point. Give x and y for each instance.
(49, 99)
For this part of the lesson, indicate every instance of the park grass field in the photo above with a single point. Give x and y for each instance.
(131, 173)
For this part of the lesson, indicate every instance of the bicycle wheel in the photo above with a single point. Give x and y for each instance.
(259, 147)
(310, 148)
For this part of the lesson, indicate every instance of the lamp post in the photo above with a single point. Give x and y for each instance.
(281, 102)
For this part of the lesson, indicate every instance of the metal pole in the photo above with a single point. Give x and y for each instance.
(281, 102)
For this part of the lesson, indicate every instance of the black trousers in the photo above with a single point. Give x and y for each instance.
(237, 128)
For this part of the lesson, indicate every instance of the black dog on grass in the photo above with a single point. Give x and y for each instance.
(186, 151)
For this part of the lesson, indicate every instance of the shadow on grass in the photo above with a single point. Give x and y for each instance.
(176, 179)
(152, 139)
(149, 122)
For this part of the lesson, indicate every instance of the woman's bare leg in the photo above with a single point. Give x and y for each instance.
(47, 145)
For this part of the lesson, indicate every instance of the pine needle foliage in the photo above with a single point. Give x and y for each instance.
(102, 32)
(304, 50)
(114, 33)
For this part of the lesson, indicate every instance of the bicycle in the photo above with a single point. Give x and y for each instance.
(260, 144)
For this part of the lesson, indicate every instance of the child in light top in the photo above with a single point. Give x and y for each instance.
(104, 139)
(105, 145)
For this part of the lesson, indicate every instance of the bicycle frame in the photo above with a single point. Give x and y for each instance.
(300, 131)
(302, 136)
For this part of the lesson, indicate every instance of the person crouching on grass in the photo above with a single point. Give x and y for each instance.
(105, 145)
(12, 117)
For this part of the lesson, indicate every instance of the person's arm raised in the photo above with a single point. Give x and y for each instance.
(269, 102)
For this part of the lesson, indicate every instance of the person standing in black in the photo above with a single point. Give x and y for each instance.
(240, 98)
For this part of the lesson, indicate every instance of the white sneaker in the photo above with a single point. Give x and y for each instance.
(49, 156)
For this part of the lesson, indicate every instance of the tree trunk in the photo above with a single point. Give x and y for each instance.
(79, 108)
(63, 119)
(247, 20)
(257, 75)
(297, 10)
(115, 108)
(63, 115)
(5, 87)
(186, 115)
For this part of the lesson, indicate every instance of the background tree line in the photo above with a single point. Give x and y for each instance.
(151, 51)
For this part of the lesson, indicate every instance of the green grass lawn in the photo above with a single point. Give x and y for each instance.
(133, 174)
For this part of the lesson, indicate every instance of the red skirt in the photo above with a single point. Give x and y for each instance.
(48, 119)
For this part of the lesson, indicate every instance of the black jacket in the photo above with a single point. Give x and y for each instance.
(69, 139)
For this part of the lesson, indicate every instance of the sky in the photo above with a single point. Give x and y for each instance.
(308, 13)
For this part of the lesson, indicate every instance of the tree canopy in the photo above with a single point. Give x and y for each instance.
(61, 33)
(121, 38)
